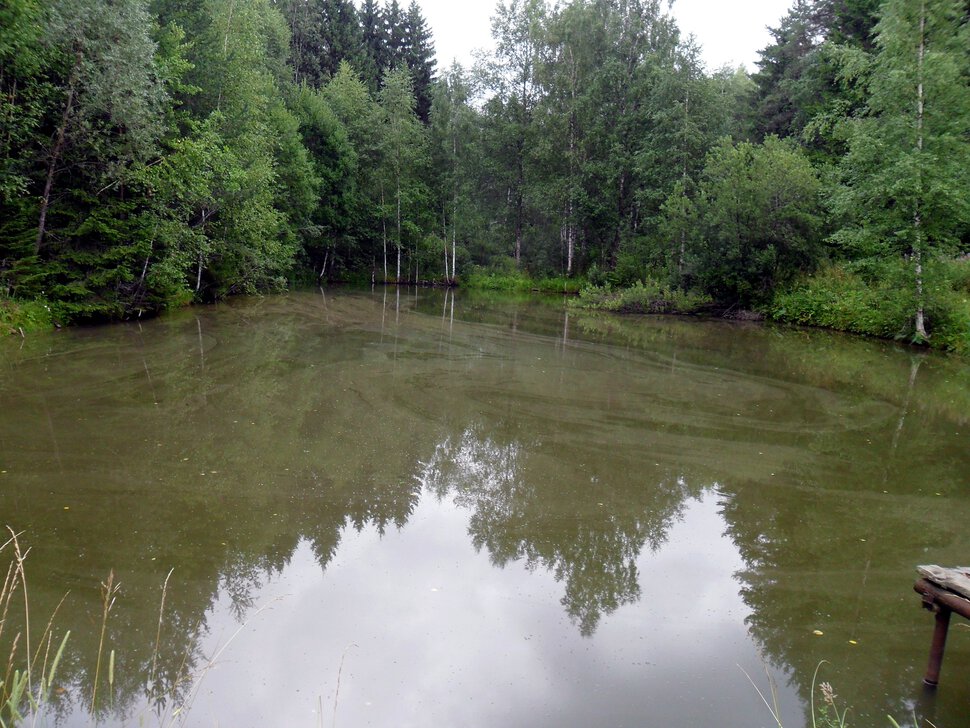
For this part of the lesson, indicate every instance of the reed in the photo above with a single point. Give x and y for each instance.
(19, 700)
(825, 715)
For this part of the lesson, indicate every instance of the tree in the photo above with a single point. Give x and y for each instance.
(517, 28)
(453, 130)
(327, 233)
(905, 176)
(760, 216)
(373, 49)
(22, 61)
(404, 145)
(780, 104)
(419, 58)
(109, 112)
(360, 116)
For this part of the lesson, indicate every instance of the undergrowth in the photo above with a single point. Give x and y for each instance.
(517, 280)
(24, 317)
(877, 299)
(646, 296)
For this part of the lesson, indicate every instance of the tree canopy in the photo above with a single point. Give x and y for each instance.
(152, 153)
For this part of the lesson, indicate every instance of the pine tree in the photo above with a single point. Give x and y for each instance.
(343, 36)
(395, 37)
(783, 65)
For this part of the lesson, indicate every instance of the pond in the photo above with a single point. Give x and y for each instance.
(426, 508)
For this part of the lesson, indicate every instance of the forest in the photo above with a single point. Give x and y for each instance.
(155, 153)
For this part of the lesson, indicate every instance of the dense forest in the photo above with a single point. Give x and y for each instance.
(157, 152)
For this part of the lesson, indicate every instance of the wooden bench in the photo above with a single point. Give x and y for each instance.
(944, 592)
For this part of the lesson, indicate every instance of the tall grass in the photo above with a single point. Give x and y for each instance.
(28, 673)
(824, 714)
(24, 687)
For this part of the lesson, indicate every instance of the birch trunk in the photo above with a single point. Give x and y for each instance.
(384, 231)
(399, 229)
(917, 222)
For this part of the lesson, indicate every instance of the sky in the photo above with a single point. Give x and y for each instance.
(729, 32)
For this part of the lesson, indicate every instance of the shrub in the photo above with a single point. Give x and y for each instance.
(875, 298)
(647, 296)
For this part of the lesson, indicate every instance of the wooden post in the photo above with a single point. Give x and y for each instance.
(932, 677)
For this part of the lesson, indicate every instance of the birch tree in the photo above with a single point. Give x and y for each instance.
(405, 150)
(907, 171)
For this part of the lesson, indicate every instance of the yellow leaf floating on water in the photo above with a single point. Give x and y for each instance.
(853, 642)
(818, 632)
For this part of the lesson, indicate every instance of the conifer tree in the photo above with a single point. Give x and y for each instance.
(420, 58)
(373, 50)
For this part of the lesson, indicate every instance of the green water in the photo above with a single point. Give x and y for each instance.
(401, 508)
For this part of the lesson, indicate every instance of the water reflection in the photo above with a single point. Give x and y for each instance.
(588, 533)
(685, 496)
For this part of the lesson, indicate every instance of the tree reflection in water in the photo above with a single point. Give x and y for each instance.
(587, 534)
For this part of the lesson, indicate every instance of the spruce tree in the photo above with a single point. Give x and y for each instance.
(420, 59)
(372, 44)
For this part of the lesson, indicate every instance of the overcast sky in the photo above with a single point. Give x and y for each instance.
(729, 32)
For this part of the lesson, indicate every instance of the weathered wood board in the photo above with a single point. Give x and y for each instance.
(956, 579)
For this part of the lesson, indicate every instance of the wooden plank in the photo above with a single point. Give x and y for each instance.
(956, 579)
(937, 595)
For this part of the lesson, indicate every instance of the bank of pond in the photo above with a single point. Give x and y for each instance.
(873, 301)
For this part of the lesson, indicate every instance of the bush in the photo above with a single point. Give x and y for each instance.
(643, 297)
(875, 298)
(505, 279)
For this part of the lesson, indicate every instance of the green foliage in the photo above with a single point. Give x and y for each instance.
(507, 278)
(760, 220)
(155, 153)
(872, 298)
(901, 190)
(647, 296)
(24, 316)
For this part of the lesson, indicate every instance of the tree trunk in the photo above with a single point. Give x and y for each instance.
(444, 236)
(384, 231)
(56, 152)
(917, 222)
(399, 228)
(454, 208)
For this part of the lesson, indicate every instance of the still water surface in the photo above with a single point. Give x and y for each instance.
(402, 508)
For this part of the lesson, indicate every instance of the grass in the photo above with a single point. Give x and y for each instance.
(19, 698)
(822, 715)
(28, 675)
(24, 317)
